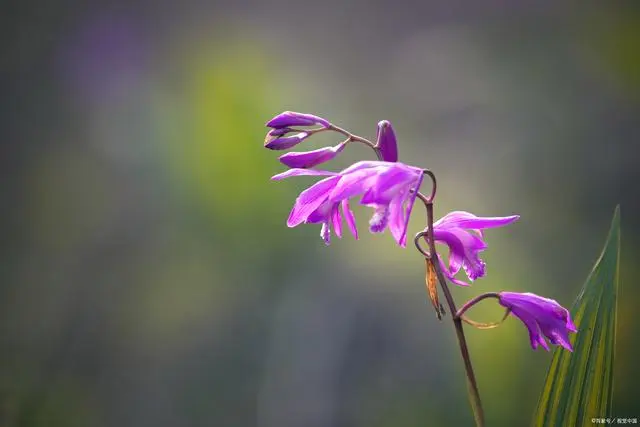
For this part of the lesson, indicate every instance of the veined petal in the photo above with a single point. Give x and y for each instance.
(388, 183)
(310, 199)
(396, 219)
(300, 172)
(412, 198)
(353, 183)
(349, 218)
(468, 220)
(532, 326)
(336, 220)
(308, 159)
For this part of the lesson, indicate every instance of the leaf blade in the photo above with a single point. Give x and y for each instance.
(579, 385)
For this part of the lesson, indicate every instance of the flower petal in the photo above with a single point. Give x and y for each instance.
(291, 118)
(310, 199)
(285, 142)
(412, 199)
(308, 159)
(349, 218)
(396, 219)
(300, 172)
(532, 326)
(336, 220)
(468, 220)
(550, 318)
(352, 184)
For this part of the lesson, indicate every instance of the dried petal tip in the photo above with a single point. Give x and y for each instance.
(386, 142)
(290, 118)
(540, 314)
(275, 142)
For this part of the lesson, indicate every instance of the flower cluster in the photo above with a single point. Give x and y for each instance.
(390, 188)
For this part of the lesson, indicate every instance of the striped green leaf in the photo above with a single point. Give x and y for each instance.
(579, 385)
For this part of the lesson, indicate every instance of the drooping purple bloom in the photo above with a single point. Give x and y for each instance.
(291, 118)
(308, 159)
(540, 314)
(277, 140)
(389, 188)
(462, 233)
(386, 142)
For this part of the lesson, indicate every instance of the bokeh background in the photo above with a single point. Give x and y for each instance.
(148, 277)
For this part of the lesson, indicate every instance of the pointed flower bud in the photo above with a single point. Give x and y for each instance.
(275, 142)
(290, 118)
(308, 159)
(540, 315)
(386, 142)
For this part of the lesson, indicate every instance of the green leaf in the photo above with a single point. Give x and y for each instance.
(579, 385)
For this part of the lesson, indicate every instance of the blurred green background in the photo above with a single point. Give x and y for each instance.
(148, 277)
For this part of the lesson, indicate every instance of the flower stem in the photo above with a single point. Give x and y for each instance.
(472, 385)
(474, 301)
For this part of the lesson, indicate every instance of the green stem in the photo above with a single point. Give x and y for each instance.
(472, 385)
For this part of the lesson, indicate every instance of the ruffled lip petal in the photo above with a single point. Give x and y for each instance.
(464, 249)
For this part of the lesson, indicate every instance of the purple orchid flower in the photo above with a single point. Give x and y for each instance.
(290, 118)
(462, 233)
(540, 315)
(308, 159)
(389, 188)
(386, 142)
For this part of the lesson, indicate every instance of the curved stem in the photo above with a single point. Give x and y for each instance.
(353, 137)
(474, 301)
(472, 385)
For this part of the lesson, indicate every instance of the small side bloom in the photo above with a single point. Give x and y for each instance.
(386, 142)
(277, 140)
(308, 159)
(291, 118)
(389, 188)
(462, 233)
(540, 315)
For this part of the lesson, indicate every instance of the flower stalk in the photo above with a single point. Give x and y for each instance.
(472, 384)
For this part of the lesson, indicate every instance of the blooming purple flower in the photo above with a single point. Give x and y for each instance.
(308, 159)
(540, 315)
(462, 233)
(277, 140)
(389, 188)
(290, 118)
(386, 142)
